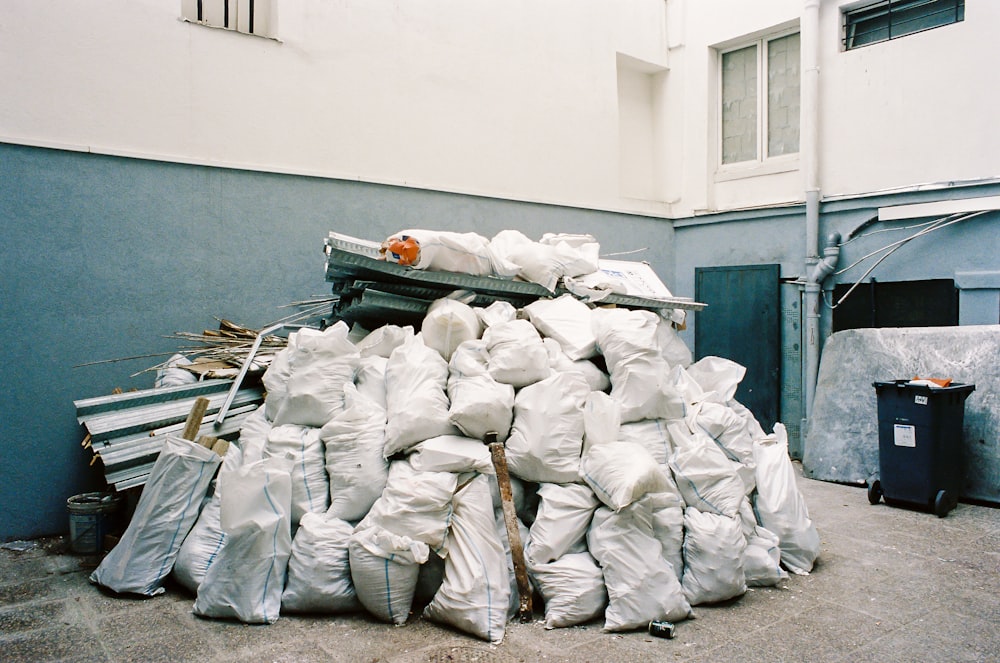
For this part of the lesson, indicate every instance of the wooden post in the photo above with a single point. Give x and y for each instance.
(510, 520)
(193, 422)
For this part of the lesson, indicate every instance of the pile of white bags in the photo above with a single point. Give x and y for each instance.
(641, 487)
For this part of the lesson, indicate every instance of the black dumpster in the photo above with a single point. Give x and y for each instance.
(920, 445)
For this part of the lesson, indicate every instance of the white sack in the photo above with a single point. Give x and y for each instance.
(166, 511)
(561, 523)
(417, 406)
(275, 378)
(514, 604)
(585, 249)
(202, 544)
(310, 485)
(642, 585)
(447, 324)
(621, 473)
(246, 580)
(573, 589)
(729, 430)
(668, 528)
(497, 312)
(713, 557)
(567, 320)
(717, 374)
(597, 379)
(547, 436)
(384, 570)
(762, 559)
(706, 477)
(652, 434)
(539, 263)
(444, 251)
(382, 341)
(320, 365)
(170, 374)
(672, 347)
(523, 493)
(253, 435)
(479, 404)
(639, 374)
(780, 506)
(474, 595)
(517, 354)
(414, 504)
(451, 453)
(319, 572)
(370, 379)
(353, 442)
(602, 420)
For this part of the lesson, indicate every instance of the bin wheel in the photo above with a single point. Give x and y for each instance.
(875, 492)
(942, 504)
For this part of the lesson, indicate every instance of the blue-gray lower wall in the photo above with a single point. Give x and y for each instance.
(104, 256)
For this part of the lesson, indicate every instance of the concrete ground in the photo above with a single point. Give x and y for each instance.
(890, 585)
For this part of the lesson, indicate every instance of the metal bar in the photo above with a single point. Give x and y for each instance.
(89, 407)
(244, 368)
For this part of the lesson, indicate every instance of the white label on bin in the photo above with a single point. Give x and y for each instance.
(904, 436)
(920, 400)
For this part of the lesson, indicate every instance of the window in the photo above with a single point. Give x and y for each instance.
(760, 100)
(889, 19)
(254, 17)
(931, 303)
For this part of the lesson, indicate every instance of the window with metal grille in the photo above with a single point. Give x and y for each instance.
(254, 17)
(889, 19)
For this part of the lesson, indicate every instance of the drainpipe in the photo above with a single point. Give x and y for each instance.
(810, 45)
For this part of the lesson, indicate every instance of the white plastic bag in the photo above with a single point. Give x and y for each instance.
(479, 404)
(246, 580)
(319, 573)
(310, 485)
(517, 354)
(547, 436)
(447, 324)
(417, 404)
(384, 570)
(561, 523)
(567, 320)
(451, 453)
(642, 585)
(713, 557)
(414, 504)
(621, 473)
(573, 589)
(780, 506)
(167, 510)
(353, 443)
(706, 477)
(474, 594)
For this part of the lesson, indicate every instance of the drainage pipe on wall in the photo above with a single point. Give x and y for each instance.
(809, 153)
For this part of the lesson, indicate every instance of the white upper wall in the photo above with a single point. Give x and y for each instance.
(611, 104)
(517, 99)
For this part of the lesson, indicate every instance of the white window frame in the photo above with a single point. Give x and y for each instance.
(251, 17)
(762, 164)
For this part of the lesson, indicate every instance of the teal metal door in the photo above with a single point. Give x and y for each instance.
(742, 322)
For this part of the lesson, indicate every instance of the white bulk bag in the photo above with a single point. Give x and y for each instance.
(310, 485)
(414, 504)
(319, 573)
(780, 506)
(621, 473)
(451, 453)
(167, 510)
(384, 570)
(320, 365)
(547, 436)
(572, 588)
(447, 324)
(417, 405)
(762, 559)
(474, 594)
(717, 374)
(561, 523)
(567, 320)
(642, 585)
(353, 443)
(706, 477)
(246, 580)
(479, 404)
(713, 557)
(517, 354)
